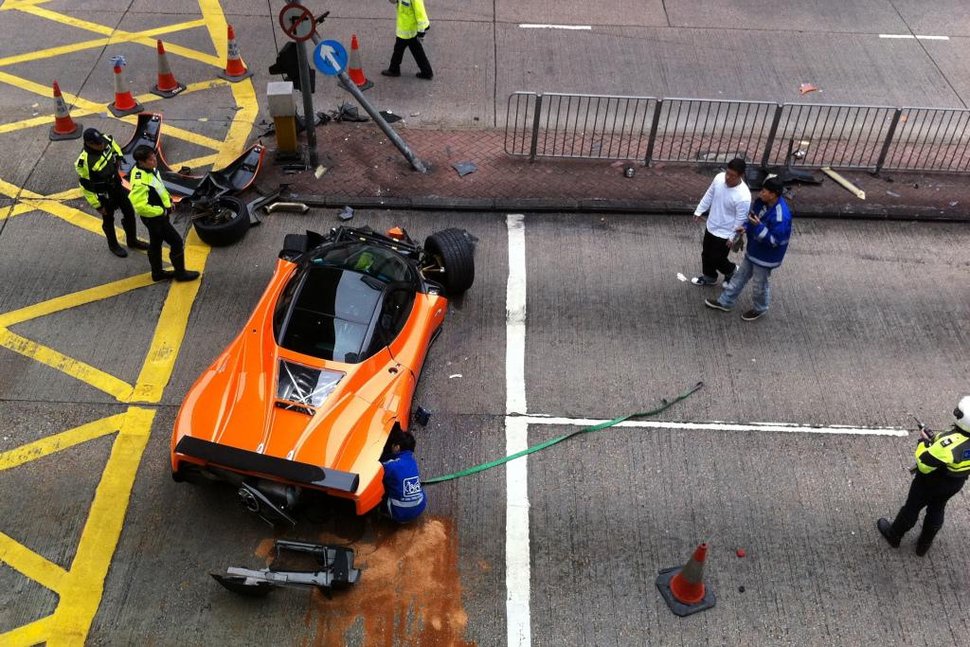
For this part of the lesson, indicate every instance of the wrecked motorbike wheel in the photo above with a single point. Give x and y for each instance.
(221, 222)
(450, 260)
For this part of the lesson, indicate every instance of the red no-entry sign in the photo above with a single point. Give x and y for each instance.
(297, 22)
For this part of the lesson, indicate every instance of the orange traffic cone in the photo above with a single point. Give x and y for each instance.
(64, 127)
(235, 68)
(354, 69)
(683, 587)
(167, 86)
(124, 103)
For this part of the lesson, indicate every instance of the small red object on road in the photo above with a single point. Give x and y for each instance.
(741, 552)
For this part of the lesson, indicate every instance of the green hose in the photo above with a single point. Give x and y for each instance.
(664, 404)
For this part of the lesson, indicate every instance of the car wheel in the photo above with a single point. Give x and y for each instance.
(451, 260)
(223, 224)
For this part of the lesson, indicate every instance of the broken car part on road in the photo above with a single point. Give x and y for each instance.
(336, 571)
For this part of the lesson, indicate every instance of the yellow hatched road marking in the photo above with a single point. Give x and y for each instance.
(30, 634)
(36, 567)
(52, 444)
(58, 361)
(57, 304)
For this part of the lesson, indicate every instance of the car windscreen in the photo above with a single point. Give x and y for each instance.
(331, 315)
(373, 260)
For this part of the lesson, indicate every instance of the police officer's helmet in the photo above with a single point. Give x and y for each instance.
(962, 413)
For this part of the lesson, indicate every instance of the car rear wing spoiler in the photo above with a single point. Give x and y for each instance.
(239, 459)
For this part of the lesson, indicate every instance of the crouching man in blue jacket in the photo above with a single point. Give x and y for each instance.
(768, 230)
(404, 499)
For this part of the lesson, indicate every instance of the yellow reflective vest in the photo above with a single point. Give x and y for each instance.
(411, 18)
(148, 194)
(950, 451)
(97, 171)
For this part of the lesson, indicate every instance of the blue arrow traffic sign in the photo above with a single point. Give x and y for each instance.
(330, 57)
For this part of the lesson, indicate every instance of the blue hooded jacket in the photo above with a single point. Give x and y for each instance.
(768, 241)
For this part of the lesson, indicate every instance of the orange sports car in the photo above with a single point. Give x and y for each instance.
(306, 395)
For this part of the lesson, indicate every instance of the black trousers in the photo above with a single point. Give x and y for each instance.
(930, 491)
(714, 257)
(417, 50)
(117, 198)
(160, 230)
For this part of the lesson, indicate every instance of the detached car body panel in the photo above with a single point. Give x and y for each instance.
(307, 393)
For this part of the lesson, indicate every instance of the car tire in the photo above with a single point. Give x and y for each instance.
(453, 252)
(221, 231)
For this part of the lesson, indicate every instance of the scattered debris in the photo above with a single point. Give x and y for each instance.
(346, 214)
(629, 170)
(253, 206)
(320, 171)
(740, 589)
(844, 183)
(893, 194)
(954, 203)
(681, 277)
(805, 88)
(464, 168)
(454, 375)
(295, 207)
(389, 116)
(415, 114)
(740, 552)
(336, 570)
(348, 112)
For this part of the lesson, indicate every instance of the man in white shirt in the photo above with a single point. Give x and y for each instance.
(728, 201)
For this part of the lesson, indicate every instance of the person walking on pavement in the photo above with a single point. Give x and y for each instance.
(153, 203)
(768, 230)
(728, 201)
(942, 467)
(97, 169)
(412, 25)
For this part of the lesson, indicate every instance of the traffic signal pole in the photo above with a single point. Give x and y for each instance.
(309, 116)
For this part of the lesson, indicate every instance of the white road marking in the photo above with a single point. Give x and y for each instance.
(517, 551)
(785, 427)
(912, 36)
(572, 27)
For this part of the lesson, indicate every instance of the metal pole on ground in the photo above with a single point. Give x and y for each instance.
(309, 117)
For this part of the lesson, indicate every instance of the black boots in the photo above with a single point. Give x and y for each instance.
(886, 530)
(925, 540)
(182, 274)
(134, 243)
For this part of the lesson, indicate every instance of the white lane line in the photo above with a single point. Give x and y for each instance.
(912, 36)
(784, 427)
(572, 27)
(517, 551)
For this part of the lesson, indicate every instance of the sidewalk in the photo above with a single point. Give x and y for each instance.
(365, 170)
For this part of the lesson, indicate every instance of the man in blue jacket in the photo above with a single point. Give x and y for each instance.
(768, 230)
(404, 499)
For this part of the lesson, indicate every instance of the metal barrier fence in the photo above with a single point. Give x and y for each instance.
(703, 130)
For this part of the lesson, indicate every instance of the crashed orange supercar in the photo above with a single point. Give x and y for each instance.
(306, 395)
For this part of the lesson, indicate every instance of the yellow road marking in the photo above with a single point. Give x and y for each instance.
(67, 301)
(147, 38)
(78, 113)
(83, 587)
(30, 634)
(36, 567)
(52, 444)
(58, 361)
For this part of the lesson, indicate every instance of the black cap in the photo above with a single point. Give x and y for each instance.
(774, 185)
(92, 135)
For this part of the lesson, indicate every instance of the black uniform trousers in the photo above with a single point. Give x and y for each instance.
(417, 50)
(930, 491)
(160, 230)
(714, 257)
(117, 198)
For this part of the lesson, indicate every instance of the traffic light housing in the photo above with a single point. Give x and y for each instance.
(287, 64)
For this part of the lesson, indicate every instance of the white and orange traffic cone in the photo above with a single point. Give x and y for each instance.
(354, 68)
(64, 127)
(124, 103)
(235, 68)
(167, 86)
(683, 587)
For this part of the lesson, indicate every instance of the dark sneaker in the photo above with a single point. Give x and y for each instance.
(714, 305)
(164, 275)
(923, 546)
(118, 250)
(137, 244)
(886, 530)
(186, 275)
(703, 280)
(751, 315)
(390, 73)
(427, 76)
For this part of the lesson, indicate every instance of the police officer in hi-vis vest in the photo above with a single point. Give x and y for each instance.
(152, 203)
(97, 168)
(942, 467)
